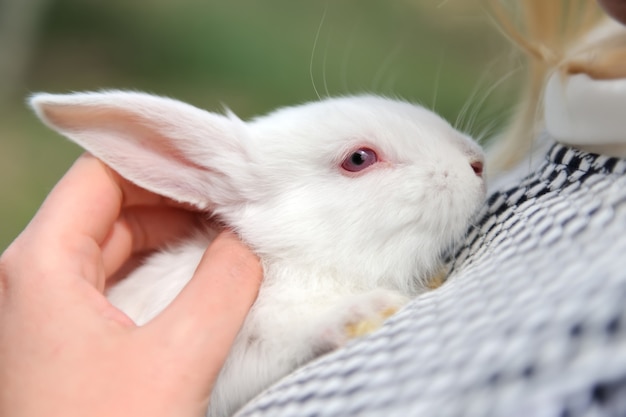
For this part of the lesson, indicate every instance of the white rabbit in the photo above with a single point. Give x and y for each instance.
(349, 202)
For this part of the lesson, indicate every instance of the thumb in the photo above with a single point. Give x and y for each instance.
(202, 322)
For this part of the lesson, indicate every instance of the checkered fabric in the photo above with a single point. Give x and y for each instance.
(531, 322)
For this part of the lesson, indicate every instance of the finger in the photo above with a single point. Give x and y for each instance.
(88, 200)
(140, 229)
(202, 322)
(79, 215)
(85, 202)
(75, 217)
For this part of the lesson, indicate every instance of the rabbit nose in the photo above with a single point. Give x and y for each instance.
(477, 167)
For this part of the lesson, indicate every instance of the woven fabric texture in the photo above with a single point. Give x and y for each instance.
(531, 322)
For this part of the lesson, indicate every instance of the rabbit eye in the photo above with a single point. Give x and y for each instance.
(359, 160)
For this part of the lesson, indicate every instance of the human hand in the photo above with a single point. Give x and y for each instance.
(66, 351)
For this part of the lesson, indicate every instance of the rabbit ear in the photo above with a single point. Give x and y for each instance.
(163, 145)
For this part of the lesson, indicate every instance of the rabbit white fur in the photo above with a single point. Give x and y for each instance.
(337, 247)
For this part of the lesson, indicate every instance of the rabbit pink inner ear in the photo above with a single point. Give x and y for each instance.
(157, 144)
(144, 133)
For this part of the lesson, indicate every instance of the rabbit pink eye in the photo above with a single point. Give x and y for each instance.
(359, 160)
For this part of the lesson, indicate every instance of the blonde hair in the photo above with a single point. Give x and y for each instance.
(556, 36)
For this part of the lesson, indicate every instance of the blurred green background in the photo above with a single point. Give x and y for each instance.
(251, 55)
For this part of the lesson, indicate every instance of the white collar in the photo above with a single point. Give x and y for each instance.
(586, 113)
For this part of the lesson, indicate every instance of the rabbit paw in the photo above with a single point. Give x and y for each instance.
(358, 316)
(438, 278)
(368, 325)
